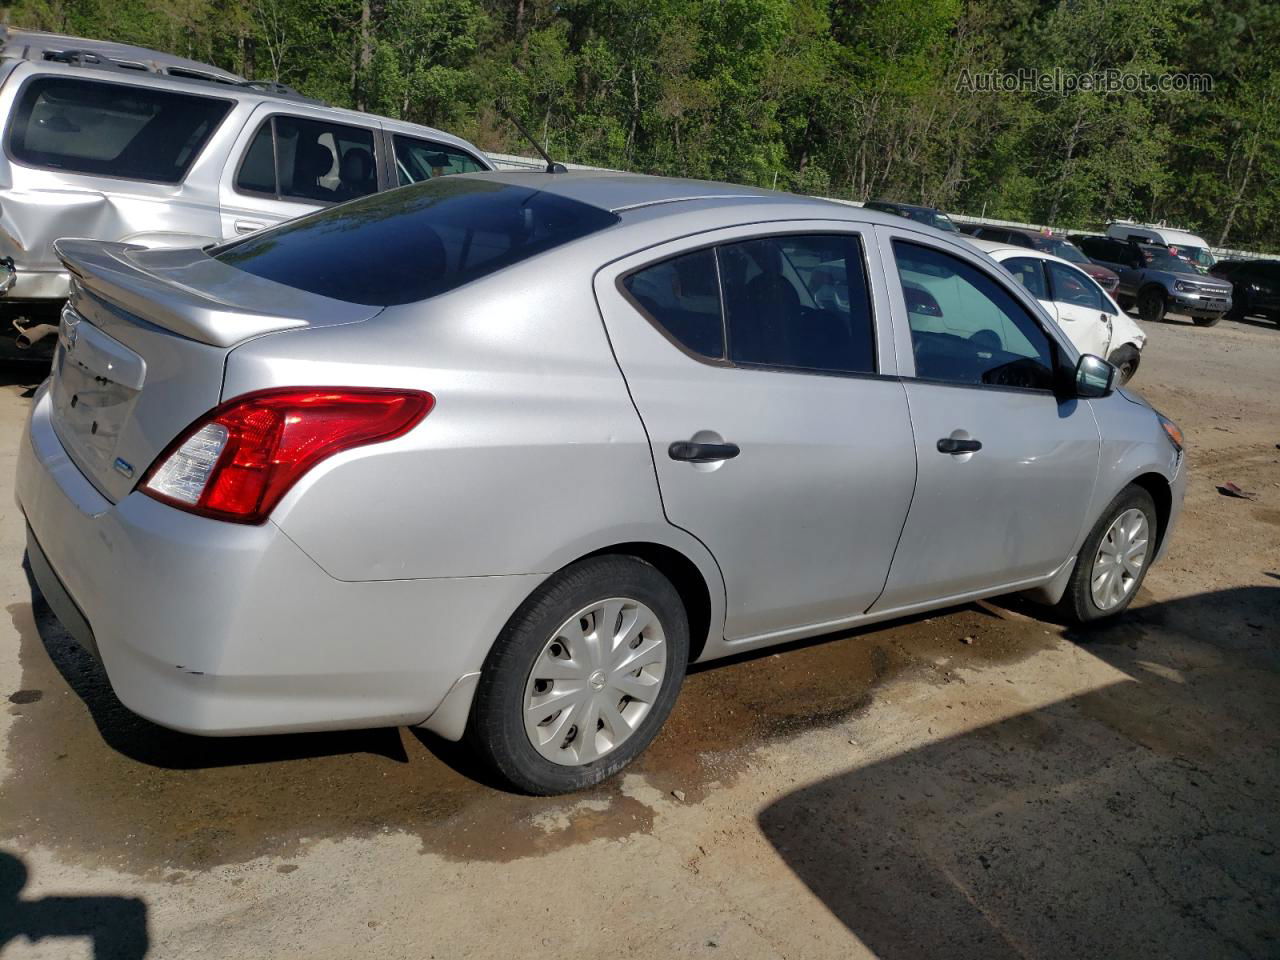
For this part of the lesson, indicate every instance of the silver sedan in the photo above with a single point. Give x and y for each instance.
(501, 454)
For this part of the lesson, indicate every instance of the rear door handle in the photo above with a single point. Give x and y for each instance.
(952, 445)
(248, 226)
(692, 452)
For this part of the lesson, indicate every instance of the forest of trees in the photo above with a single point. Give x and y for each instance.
(847, 99)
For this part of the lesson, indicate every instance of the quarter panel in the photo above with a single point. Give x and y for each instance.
(532, 450)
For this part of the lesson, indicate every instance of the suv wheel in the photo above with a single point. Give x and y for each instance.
(582, 677)
(1206, 321)
(1151, 305)
(1125, 359)
(1114, 558)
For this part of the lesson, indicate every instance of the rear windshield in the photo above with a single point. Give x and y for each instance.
(406, 245)
(111, 129)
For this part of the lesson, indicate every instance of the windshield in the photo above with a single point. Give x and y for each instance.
(934, 219)
(1067, 251)
(1198, 255)
(416, 242)
(1159, 258)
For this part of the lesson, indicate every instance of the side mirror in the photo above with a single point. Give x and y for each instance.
(1094, 377)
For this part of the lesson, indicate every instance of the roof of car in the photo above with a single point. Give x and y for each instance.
(622, 192)
(246, 91)
(36, 45)
(994, 247)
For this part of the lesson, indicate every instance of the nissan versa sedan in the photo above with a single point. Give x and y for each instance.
(501, 454)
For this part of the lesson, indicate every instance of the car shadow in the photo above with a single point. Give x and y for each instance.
(116, 927)
(1138, 819)
(1257, 322)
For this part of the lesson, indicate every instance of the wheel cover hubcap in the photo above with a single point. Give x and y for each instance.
(595, 681)
(1122, 554)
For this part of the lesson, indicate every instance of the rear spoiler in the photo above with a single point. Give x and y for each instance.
(155, 291)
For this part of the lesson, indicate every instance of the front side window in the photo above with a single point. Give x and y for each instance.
(1073, 287)
(682, 297)
(1029, 271)
(965, 327)
(798, 302)
(403, 246)
(112, 129)
(418, 160)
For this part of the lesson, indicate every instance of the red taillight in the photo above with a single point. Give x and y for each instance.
(237, 461)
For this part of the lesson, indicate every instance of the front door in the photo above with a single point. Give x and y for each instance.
(779, 435)
(1081, 308)
(1006, 471)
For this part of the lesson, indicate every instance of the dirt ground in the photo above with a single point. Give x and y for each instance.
(978, 783)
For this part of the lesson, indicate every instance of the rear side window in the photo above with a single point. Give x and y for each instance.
(794, 302)
(1028, 271)
(682, 297)
(111, 129)
(313, 161)
(418, 160)
(798, 302)
(406, 245)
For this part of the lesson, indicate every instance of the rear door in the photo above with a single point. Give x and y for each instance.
(1005, 470)
(763, 369)
(284, 165)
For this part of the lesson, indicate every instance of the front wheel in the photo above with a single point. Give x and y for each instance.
(582, 677)
(1125, 359)
(1151, 306)
(1206, 321)
(1114, 559)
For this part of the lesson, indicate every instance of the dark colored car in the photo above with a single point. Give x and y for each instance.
(926, 215)
(1045, 243)
(1255, 287)
(1158, 281)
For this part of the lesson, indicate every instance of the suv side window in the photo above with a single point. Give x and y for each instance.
(111, 129)
(314, 161)
(798, 302)
(418, 160)
(1071, 286)
(974, 331)
(681, 297)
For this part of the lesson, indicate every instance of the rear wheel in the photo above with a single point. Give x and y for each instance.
(1126, 303)
(1114, 559)
(1125, 359)
(1151, 305)
(1206, 321)
(582, 677)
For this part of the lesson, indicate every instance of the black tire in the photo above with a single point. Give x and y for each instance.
(496, 729)
(1239, 308)
(1206, 321)
(1126, 303)
(1125, 359)
(1151, 305)
(1077, 602)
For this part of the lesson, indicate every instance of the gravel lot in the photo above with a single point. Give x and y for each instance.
(979, 783)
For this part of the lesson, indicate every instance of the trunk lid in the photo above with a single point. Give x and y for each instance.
(143, 344)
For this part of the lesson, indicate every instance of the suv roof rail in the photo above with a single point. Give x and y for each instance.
(91, 58)
(94, 60)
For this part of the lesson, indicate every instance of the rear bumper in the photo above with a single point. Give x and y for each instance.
(216, 628)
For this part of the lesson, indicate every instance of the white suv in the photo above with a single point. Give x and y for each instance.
(96, 147)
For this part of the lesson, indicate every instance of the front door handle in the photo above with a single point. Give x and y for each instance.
(952, 445)
(692, 452)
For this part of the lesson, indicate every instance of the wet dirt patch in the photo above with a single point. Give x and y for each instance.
(102, 786)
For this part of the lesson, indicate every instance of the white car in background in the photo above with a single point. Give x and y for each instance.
(1087, 313)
